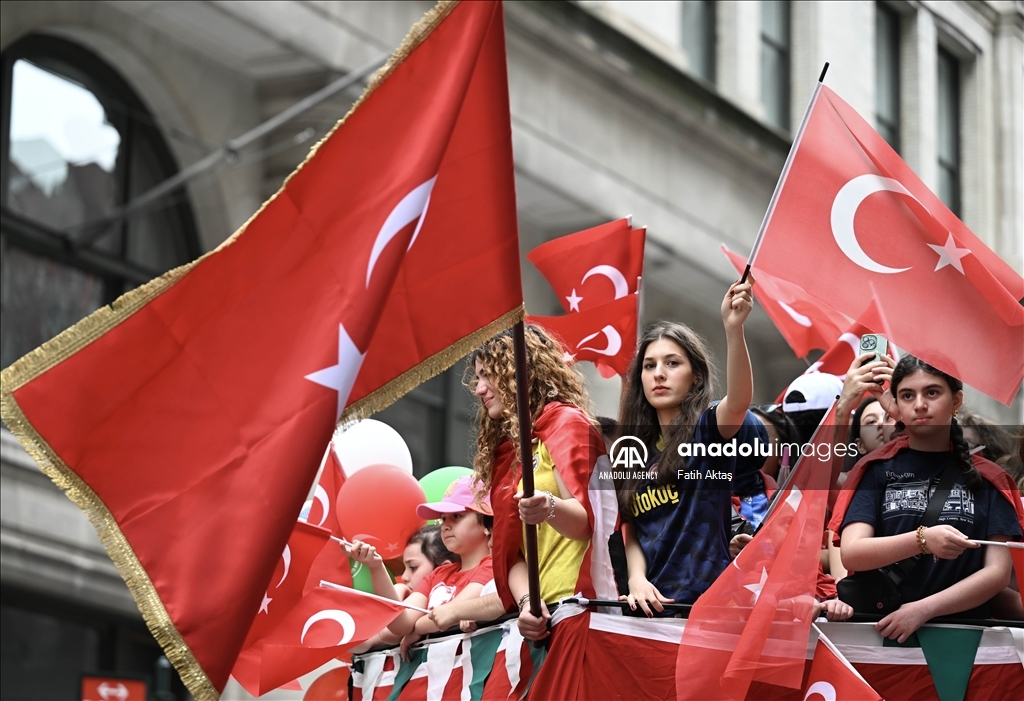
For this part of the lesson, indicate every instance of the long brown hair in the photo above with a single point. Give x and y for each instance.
(551, 379)
(636, 415)
(908, 365)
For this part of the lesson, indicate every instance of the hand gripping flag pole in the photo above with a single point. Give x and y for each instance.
(525, 453)
(785, 171)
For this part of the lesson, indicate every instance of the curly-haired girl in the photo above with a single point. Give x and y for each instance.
(878, 514)
(567, 445)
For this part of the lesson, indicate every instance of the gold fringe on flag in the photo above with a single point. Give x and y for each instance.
(72, 340)
(385, 396)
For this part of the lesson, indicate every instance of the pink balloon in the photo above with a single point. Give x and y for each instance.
(377, 505)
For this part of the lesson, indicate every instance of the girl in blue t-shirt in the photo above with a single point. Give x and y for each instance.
(676, 513)
(881, 521)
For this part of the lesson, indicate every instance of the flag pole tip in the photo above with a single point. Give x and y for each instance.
(824, 70)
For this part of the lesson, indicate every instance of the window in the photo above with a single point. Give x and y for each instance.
(949, 130)
(887, 74)
(775, 62)
(699, 30)
(77, 144)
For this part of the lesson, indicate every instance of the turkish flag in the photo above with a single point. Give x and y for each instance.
(838, 358)
(805, 322)
(322, 511)
(325, 623)
(833, 678)
(752, 624)
(188, 418)
(853, 221)
(284, 592)
(604, 335)
(594, 266)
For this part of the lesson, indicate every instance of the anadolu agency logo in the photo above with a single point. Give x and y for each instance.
(629, 457)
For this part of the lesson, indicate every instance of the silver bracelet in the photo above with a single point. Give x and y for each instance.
(551, 505)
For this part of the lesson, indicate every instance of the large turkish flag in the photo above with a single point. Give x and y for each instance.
(189, 418)
(853, 222)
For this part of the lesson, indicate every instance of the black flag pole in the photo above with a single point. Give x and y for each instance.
(785, 172)
(526, 455)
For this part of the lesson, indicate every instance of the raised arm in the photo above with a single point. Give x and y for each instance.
(736, 307)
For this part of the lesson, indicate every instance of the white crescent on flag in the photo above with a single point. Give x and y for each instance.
(613, 338)
(823, 689)
(347, 623)
(412, 207)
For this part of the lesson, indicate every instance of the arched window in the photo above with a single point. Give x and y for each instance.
(77, 145)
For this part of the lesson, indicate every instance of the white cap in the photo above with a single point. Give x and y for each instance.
(815, 390)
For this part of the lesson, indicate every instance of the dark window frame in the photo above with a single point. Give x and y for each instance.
(951, 109)
(889, 125)
(135, 123)
(783, 119)
(709, 35)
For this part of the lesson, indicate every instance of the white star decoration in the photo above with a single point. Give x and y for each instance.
(574, 301)
(265, 606)
(568, 357)
(342, 376)
(756, 588)
(949, 254)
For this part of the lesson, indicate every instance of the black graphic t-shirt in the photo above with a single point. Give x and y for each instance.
(892, 497)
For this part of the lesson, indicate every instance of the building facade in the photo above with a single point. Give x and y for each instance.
(679, 113)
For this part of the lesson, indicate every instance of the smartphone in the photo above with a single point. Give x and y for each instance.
(874, 343)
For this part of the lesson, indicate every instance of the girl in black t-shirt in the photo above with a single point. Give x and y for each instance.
(881, 524)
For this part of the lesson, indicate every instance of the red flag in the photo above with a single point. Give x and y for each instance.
(1017, 554)
(186, 419)
(752, 624)
(934, 278)
(322, 506)
(604, 335)
(833, 678)
(837, 359)
(283, 593)
(803, 321)
(594, 266)
(325, 623)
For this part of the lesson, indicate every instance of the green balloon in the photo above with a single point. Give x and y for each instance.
(361, 578)
(436, 483)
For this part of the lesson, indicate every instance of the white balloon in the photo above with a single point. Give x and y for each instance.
(371, 442)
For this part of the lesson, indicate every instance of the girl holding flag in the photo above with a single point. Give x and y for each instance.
(878, 514)
(676, 516)
(567, 445)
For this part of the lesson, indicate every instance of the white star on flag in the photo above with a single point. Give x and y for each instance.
(794, 498)
(949, 254)
(756, 588)
(574, 301)
(265, 605)
(568, 357)
(341, 377)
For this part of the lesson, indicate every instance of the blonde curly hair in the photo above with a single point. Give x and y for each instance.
(551, 379)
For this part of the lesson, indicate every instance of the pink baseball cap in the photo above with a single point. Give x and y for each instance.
(464, 494)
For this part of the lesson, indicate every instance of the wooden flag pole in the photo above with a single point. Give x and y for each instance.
(526, 456)
(785, 172)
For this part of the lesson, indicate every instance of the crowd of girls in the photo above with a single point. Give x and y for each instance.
(902, 418)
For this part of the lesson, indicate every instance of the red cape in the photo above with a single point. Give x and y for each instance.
(988, 470)
(575, 445)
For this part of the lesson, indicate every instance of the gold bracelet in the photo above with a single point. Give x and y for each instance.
(921, 542)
